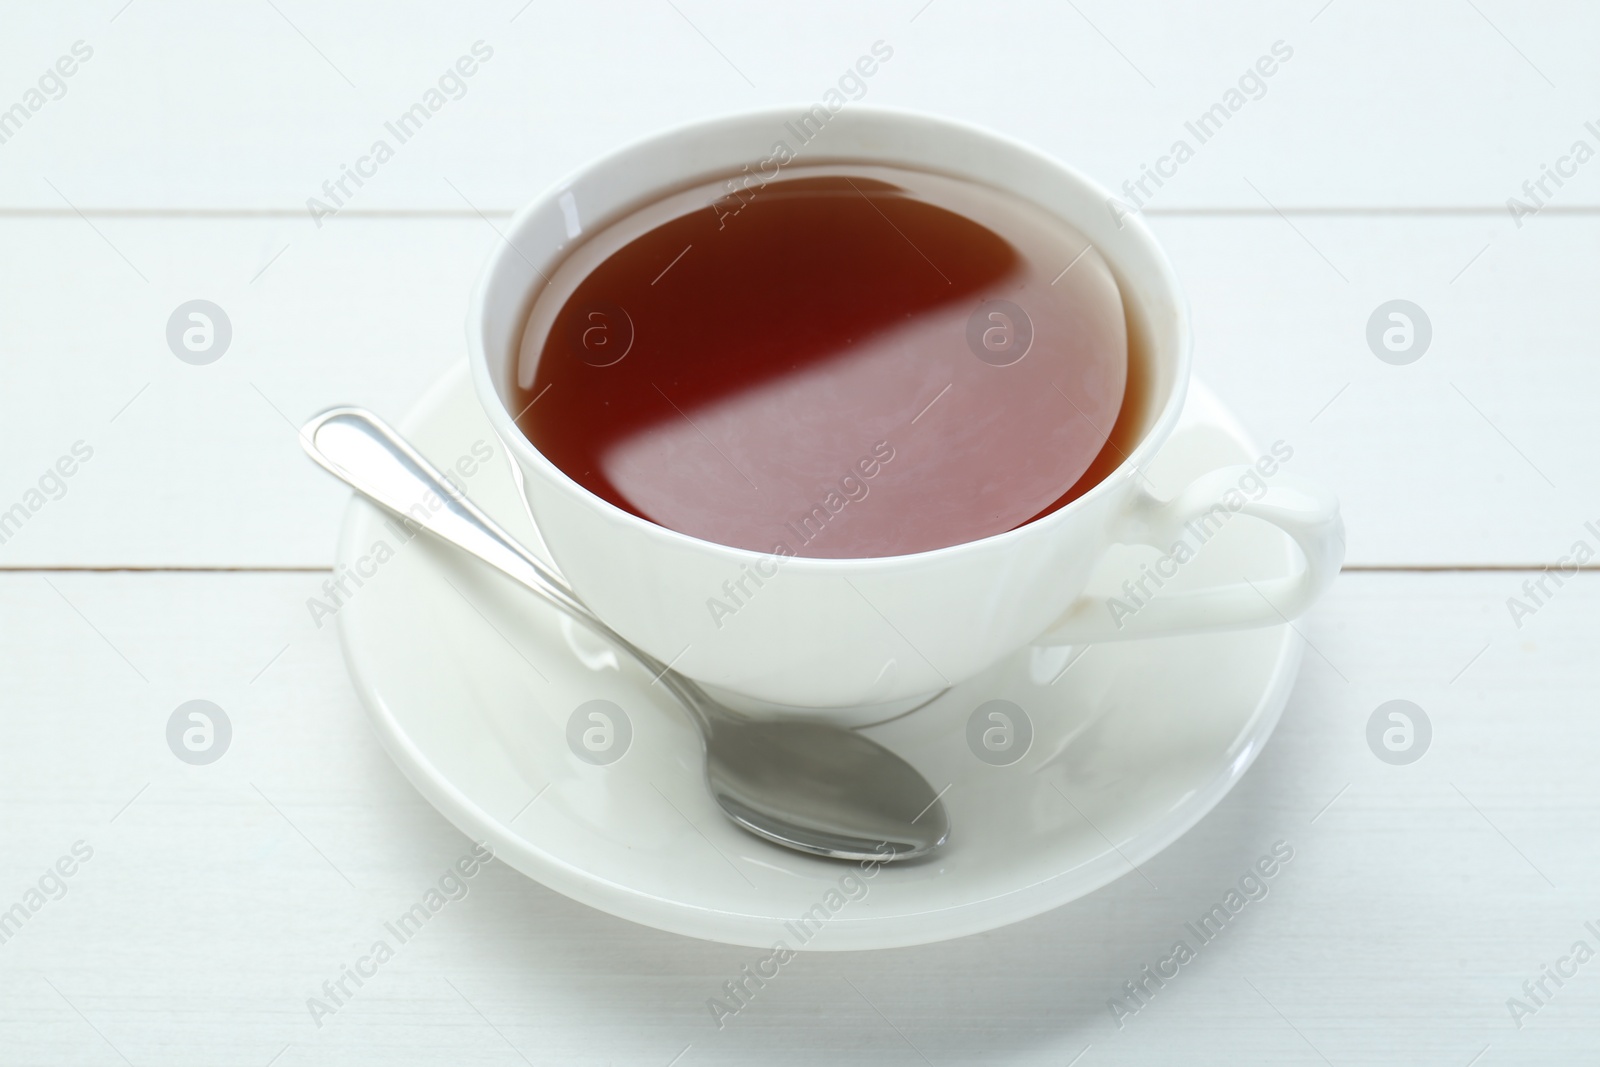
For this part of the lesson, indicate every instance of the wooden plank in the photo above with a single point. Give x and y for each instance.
(1419, 899)
(1465, 457)
(199, 465)
(1431, 104)
(1474, 453)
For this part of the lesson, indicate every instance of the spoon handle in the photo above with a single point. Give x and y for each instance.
(360, 450)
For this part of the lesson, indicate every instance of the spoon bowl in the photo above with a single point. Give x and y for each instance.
(824, 790)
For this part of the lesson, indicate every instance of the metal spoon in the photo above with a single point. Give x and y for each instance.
(808, 786)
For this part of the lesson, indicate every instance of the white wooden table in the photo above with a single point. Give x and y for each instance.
(174, 563)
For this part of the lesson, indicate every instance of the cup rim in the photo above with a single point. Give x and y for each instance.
(520, 447)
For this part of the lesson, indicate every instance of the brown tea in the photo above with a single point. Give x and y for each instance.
(843, 362)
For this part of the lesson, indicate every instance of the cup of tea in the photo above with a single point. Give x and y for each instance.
(831, 410)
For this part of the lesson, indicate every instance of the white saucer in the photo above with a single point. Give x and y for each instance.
(471, 683)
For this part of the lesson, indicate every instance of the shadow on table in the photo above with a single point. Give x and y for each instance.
(575, 983)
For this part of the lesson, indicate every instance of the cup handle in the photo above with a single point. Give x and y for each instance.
(1305, 511)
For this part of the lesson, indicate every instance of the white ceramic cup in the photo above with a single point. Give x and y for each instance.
(856, 639)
